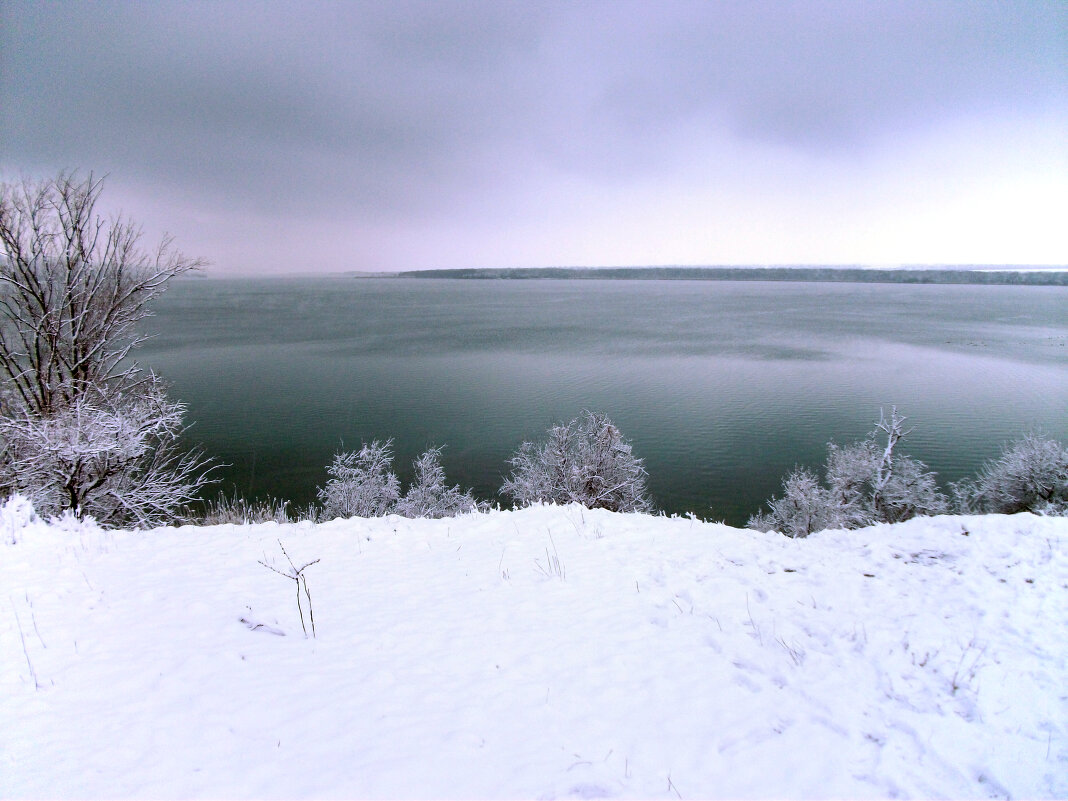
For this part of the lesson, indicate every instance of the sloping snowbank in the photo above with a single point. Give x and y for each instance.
(672, 658)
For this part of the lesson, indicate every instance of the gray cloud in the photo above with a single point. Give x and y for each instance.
(427, 109)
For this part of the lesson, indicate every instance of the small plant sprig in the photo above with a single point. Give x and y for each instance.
(297, 575)
(552, 567)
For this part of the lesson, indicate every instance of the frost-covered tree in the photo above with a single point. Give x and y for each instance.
(73, 287)
(873, 483)
(109, 456)
(1030, 475)
(900, 487)
(362, 483)
(866, 482)
(586, 461)
(428, 496)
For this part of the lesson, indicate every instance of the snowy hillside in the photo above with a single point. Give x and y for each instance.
(550, 652)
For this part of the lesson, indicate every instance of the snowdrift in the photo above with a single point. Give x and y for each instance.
(549, 652)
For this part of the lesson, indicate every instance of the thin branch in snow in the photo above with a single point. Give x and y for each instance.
(752, 622)
(967, 666)
(33, 619)
(553, 566)
(797, 656)
(297, 575)
(26, 653)
(673, 787)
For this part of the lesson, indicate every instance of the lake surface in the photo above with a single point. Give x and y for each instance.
(722, 387)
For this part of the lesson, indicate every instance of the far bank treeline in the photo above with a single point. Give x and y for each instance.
(1021, 276)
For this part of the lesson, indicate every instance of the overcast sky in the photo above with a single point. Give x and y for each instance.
(286, 137)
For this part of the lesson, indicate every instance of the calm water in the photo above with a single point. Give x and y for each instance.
(722, 387)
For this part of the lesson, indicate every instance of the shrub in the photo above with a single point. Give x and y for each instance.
(114, 457)
(16, 514)
(428, 496)
(586, 461)
(868, 486)
(1030, 475)
(804, 507)
(362, 484)
(866, 483)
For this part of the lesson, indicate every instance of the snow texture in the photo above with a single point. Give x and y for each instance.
(552, 652)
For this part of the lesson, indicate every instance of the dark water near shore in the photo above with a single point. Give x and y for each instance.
(721, 386)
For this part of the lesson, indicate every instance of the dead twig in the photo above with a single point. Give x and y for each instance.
(29, 664)
(673, 788)
(297, 575)
(553, 566)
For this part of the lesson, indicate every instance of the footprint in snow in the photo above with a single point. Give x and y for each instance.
(590, 791)
(255, 625)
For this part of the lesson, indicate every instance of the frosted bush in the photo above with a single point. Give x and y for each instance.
(586, 461)
(866, 482)
(362, 484)
(1030, 475)
(71, 523)
(869, 484)
(804, 507)
(15, 515)
(910, 491)
(116, 457)
(428, 496)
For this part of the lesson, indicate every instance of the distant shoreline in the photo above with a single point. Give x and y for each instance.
(1021, 276)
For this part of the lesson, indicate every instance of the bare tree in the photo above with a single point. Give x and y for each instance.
(73, 286)
(586, 461)
(80, 419)
(297, 575)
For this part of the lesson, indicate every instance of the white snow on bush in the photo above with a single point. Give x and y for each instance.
(16, 514)
(550, 652)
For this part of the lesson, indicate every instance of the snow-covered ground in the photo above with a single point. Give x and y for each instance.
(550, 652)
